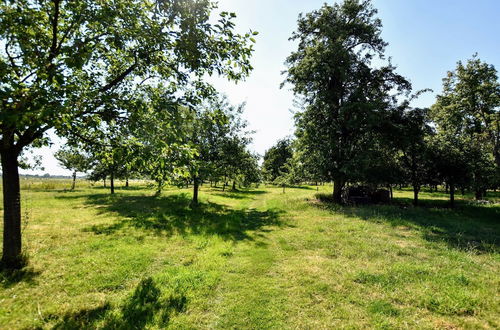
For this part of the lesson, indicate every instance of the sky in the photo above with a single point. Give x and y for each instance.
(426, 39)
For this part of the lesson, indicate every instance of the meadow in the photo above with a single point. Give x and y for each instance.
(254, 258)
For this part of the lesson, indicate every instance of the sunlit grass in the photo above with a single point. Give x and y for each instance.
(255, 258)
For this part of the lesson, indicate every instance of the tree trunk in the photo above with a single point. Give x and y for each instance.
(479, 194)
(390, 190)
(195, 191)
(452, 195)
(104, 180)
(338, 185)
(112, 182)
(12, 243)
(234, 184)
(416, 189)
(126, 182)
(74, 181)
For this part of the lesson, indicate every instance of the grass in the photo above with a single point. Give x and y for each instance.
(250, 259)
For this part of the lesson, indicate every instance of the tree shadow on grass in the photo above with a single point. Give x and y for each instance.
(238, 194)
(146, 306)
(9, 278)
(172, 214)
(467, 227)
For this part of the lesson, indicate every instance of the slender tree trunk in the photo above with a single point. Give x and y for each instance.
(74, 181)
(126, 182)
(12, 243)
(196, 186)
(104, 180)
(452, 194)
(234, 184)
(338, 185)
(390, 190)
(416, 190)
(112, 182)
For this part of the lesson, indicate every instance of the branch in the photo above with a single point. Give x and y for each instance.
(55, 21)
(11, 59)
(119, 78)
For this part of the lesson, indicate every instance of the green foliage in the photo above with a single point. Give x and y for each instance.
(276, 158)
(467, 114)
(345, 97)
(72, 159)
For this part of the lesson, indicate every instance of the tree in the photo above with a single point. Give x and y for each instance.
(343, 95)
(413, 130)
(210, 128)
(73, 160)
(448, 156)
(275, 159)
(468, 110)
(470, 103)
(62, 61)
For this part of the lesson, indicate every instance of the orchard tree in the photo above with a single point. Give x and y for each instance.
(343, 94)
(413, 131)
(470, 104)
(468, 110)
(209, 129)
(275, 159)
(73, 160)
(60, 61)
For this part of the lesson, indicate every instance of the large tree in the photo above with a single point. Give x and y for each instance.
(62, 61)
(343, 93)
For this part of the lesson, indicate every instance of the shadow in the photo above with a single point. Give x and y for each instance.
(172, 214)
(146, 306)
(467, 227)
(238, 194)
(9, 278)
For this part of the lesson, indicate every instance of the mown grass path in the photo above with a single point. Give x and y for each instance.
(251, 259)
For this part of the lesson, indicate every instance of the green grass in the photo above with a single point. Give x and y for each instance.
(250, 259)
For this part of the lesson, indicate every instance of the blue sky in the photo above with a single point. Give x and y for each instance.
(426, 39)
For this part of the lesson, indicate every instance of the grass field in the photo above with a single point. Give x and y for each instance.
(250, 259)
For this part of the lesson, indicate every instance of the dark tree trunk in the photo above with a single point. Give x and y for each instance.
(112, 182)
(390, 190)
(74, 181)
(104, 180)
(126, 182)
(195, 191)
(452, 195)
(234, 184)
(446, 188)
(338, 185)
(416, 190)
(12, 243)
(479, 194)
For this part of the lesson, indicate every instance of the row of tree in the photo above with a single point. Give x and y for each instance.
(206, 144)
(109, 75)
(357, 124)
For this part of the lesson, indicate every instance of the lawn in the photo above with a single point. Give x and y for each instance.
(255, 258)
